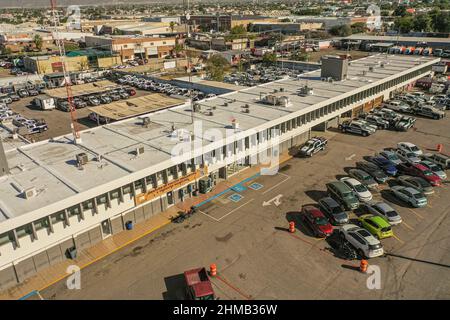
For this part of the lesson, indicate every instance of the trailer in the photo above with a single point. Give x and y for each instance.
(198, 285)
(45, 103)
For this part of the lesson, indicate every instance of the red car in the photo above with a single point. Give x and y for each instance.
(131, 91)
(317, 221)
(419, 170)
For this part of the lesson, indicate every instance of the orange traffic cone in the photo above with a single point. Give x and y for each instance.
(439, 147)
(213, 270)
(363, 266)
(292, 227)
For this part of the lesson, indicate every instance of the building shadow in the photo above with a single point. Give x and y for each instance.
(316, 195)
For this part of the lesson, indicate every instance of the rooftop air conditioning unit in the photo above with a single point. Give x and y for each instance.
(370, 68)
(246, 110)
(225, 104)
(209, 113)
(139, 151)
(82, 159)
(30, 193)
(281, 89)
(235, 124)
(364, 72)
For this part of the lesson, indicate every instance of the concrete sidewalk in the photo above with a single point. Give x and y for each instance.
(57, 272)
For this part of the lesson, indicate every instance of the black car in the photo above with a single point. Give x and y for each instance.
(376, 172)
(14, 97)
(333, 211)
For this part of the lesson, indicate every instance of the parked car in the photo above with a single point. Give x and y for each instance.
(340, 192)
(409, 157)
(365, 243)
(435, 168)
(333, 210)
(23, 93)
(63, 105)
(399, 106)
(418, 183)
(33, 92)
(93, 101)
(363, 177)
(409, 147)
(377, 121)
(410, 195)
(438, 158)
(360, 190)
(356, 128)
(97, 119)
(373, 170)
(104, 99)
(313, 146)
(317, 221)
(391, 156)
(79, 103)
(114, 96)
(383, 210)
(376, 225)
(429, 112)
(419, 170)
(14, 97)
(385, 164)
(404, 123)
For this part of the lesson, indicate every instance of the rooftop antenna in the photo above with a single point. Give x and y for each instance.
(188, 56)
(66, 74)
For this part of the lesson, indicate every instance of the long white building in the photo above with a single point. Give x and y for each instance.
(56, 195)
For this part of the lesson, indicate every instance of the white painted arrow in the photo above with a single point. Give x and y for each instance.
(276, 201)
(349, 158)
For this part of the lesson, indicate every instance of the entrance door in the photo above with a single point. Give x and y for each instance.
(106, 228)
(170, 201)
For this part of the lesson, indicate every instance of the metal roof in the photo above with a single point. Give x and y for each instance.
(82, 89)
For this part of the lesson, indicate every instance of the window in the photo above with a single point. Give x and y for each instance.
(24, 231)
(102, 199)
(58, 217)
(6, 238)
(125, 46)
(41, 224)
(88, 205)
(73, 211)
(127, 189)
(114, 194)
(138, 184)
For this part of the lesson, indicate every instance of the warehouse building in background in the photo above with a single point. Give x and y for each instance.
(57, 196)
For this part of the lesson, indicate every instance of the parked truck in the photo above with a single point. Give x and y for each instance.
(198, 285)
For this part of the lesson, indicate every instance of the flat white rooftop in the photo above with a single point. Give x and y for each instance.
(50, 166)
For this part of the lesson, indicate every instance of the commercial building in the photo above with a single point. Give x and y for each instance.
(131, 47)
(436, 43)
(51, 64)
(57, 196)
(222, 22)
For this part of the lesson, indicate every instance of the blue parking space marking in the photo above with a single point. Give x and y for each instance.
(256, 186)
(235, 197)
(238, 188)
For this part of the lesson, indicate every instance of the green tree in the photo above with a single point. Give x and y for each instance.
(341, 31)
(400, 11)
(269, 58)
(172, 25)
(37, 40)
(422, 22)
(358, 27)
(404, 24)
(441, 22)
(216, 66)
(239, 30)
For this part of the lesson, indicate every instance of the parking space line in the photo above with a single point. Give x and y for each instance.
(287, 178)
(407, 225)
(418, 215)
(236, 209)
(208, 215)
(397, 238)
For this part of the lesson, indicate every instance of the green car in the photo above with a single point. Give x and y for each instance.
(376, 225)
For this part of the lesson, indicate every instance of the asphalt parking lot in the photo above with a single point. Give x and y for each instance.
(58, 121)
(257, 258)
